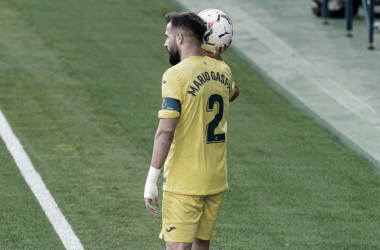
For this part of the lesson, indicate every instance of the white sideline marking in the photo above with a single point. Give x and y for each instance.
(50, 207)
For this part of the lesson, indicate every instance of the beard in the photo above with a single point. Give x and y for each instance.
(174, 56)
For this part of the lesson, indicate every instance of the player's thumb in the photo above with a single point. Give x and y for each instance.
(156, 200)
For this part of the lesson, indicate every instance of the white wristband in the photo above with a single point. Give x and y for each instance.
(151, 191)
(153, 175)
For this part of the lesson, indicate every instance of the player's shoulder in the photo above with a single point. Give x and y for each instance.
(179, 72)
(175, 75)
(223, 66)
(218, 63)
(171, 71)
(175, 70)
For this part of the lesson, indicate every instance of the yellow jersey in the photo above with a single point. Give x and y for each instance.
(196, 163)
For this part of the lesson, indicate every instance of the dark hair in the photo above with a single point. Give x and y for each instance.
(189, 22)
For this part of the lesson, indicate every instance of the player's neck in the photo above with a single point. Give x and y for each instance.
(191, 51)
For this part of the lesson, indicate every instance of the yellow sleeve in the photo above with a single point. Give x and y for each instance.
(171, 87)
(232, 89)
(229, 76)
(168, 114)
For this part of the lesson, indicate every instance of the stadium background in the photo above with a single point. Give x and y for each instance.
(80, 86)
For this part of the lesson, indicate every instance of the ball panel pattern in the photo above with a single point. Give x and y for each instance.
(218, 29)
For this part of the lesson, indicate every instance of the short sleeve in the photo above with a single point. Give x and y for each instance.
(232, 89)
(171, 95)
(171, 108)
(171, 87)
(232, 85)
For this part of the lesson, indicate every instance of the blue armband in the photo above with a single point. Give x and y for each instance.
(171, 104)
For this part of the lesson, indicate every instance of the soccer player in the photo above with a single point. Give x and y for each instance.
(191, 137)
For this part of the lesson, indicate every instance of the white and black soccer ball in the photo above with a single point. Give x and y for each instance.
(219, 29)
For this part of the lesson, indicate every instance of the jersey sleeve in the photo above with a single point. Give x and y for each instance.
(171, 97)
(171, 108)
(232, 86)
(232, 89)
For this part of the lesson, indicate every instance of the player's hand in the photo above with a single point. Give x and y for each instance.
(149, 193)
(148, 204)
(217, 53)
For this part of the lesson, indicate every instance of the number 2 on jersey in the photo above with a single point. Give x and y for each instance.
(211, 137)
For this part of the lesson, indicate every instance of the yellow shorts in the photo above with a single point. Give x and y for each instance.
(187, 216)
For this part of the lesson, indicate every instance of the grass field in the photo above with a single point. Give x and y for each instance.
(80, 85)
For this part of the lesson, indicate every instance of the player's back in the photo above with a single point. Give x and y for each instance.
(196, 163)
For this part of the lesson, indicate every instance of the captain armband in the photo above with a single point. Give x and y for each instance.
(170, 108)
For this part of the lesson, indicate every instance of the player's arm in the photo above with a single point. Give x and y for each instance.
(236, 93)
(217, 55)
(162, 141)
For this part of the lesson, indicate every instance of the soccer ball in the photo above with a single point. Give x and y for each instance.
(219, 29)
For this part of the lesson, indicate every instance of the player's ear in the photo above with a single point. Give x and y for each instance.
(179, 38)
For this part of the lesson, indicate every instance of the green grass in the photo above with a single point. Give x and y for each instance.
(80, 85)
